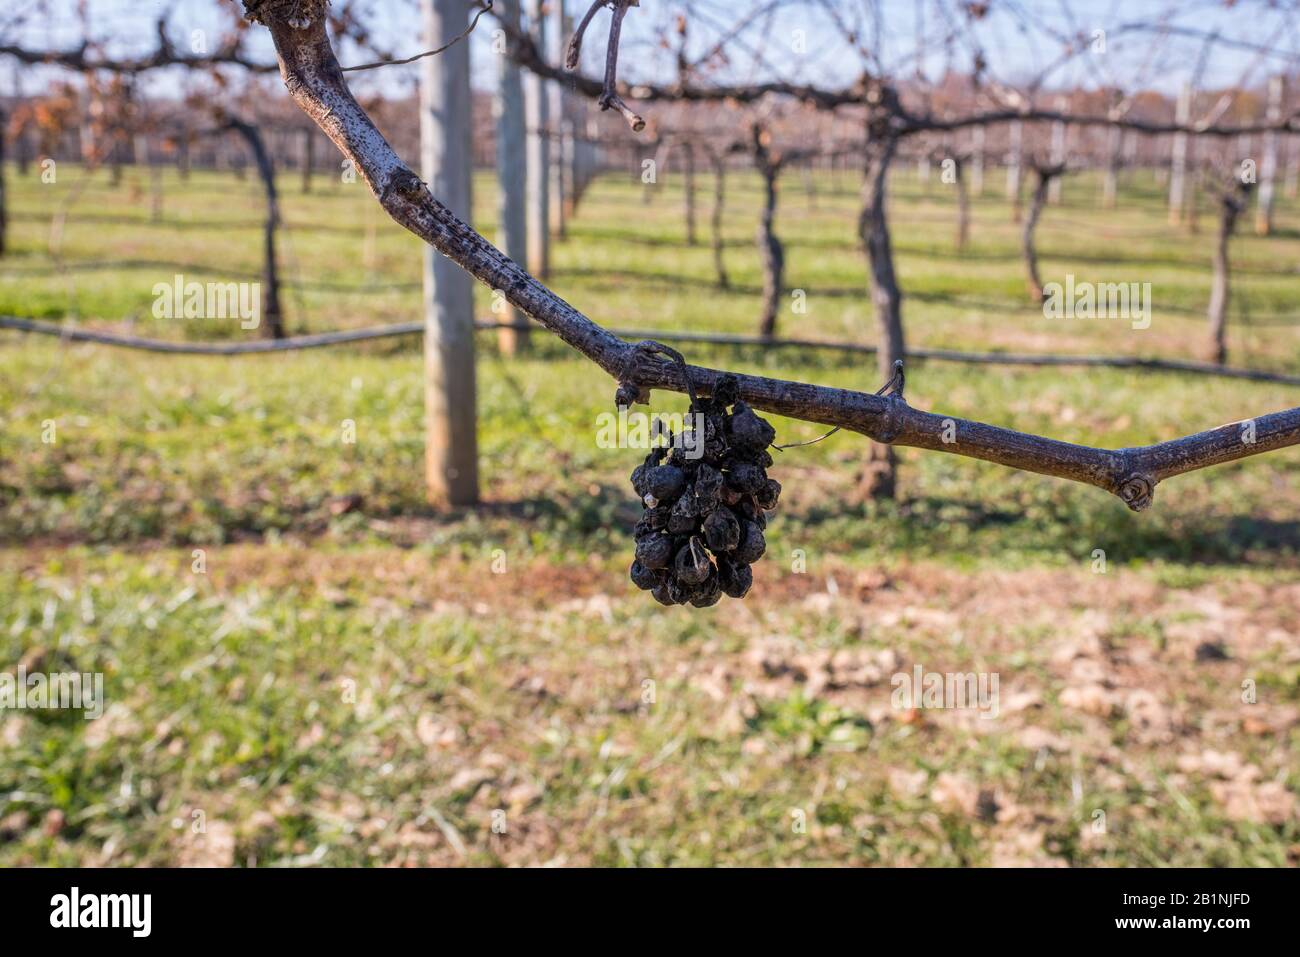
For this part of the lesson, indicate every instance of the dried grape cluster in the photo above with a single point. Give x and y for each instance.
(704, 515)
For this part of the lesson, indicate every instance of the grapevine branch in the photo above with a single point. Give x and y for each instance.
(609, 98)
(903, 121)
(314, 80)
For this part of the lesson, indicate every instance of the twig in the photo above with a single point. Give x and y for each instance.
(483, 5)
(610, 97)
(573, 52)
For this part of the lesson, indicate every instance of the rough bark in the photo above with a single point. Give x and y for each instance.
(272, 317)
(879, 477)
(1232, 202)
(312, 76)
(1044, 176)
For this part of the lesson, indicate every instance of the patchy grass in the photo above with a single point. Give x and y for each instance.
(348, 681)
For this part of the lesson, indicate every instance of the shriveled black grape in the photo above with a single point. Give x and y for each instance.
(708, 592)
(692, 565)
(769, 494)
(721, 530)
(735, 579)
(665, 482)
(645, 578)
(679, 592)
(639, 480)
(662, 592)
(752, 544)
(726, 391)
(744, 477)
(684, 516)
(708, 483)
(748, 430)
(655, 551)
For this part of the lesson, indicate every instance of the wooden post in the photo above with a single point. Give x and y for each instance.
(1178, 162)
(715, 219)
(688, 190)
(451, 444)
(539, 156)
(1058, 152)
(512, 174)
(1014, 149)
(963, 201)
(1110, 181)
(555, 110)
(1268, 162)
(770, 251)
(155, 186)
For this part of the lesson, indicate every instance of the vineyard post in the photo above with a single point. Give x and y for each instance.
(451, 443)
(1268, 161)
(1058, 152)
(512, 175)
(1178, 162)
(1110, 181)
(554, 46)
(1015, 138)
(538, 160)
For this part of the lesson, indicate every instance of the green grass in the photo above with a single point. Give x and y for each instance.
(348, 682)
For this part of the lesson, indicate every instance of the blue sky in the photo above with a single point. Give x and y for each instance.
(800, 41)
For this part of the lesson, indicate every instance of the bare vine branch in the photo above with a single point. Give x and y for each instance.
(608, 98)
